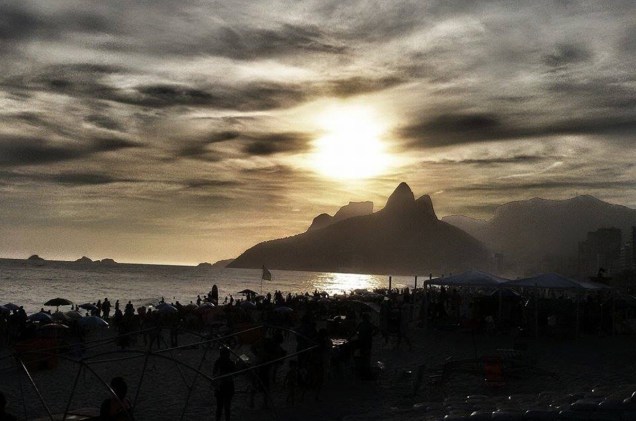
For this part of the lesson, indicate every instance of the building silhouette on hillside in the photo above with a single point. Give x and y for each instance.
(601, 250)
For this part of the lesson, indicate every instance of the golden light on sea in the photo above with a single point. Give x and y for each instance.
(351, 146)
(337, 283)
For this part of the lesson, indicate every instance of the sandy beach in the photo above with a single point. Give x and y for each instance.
(591, 366)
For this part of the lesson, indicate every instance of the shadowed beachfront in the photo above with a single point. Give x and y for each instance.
(422, 365)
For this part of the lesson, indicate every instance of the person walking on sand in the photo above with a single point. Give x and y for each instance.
(225, 388)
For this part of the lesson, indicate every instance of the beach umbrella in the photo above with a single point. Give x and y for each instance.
(247, 305)
(56, 302)
(40, 317)
(205, 306)
(191, 307)
(12, 307)
(283, 309)
(88, 306)
(166, 308)
(247, 292)
(59, 316)
(92, 321)
(5, 310)
(73, 315)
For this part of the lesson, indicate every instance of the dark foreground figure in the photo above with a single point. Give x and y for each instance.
(4, 416)
(116, 409)
(225, 390)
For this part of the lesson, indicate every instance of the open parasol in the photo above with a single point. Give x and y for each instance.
(57, 302)
(92, 321)
(40, 317)
(12, 307)
(247, 291)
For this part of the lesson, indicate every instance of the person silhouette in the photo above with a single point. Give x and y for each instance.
(116, 408)
(225, 389)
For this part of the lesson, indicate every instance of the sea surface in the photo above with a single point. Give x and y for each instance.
(30, 285)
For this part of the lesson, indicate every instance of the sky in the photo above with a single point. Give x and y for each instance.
(164, 131)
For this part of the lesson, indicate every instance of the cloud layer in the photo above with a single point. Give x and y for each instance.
(192, 122)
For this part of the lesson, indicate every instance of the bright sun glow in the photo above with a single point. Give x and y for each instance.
(351, 147)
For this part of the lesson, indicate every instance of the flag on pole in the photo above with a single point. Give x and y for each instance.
(267, 275)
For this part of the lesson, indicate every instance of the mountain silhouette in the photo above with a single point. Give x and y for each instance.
(405, 237)
(525, 232)
(345, 212)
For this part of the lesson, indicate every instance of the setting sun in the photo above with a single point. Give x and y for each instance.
(351, 147)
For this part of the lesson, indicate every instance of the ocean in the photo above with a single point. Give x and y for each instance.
(30, 285)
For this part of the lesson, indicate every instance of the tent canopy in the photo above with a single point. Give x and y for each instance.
(555, 281)
(471, 278)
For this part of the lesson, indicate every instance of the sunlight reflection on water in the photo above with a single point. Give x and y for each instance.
(143, 284)
(337, 283)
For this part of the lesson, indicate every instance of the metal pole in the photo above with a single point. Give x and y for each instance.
(415, 287)
(425, 305)
(390, 280)
(70, 398)
(37, 391)
(578, 323)
(536, 313)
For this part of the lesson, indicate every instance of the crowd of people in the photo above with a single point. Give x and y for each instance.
(331, 333)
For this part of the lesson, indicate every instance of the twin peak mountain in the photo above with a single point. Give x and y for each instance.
(405, 237)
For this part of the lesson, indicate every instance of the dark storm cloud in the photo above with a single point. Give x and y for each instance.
(17, 151)
(594, 92)
(253, 43)
(628, 42)
(19, 23)
(198, 149)
(454, 129)
(570, 185)
(248, 97)
(273, 143)
(565, 54)
(34, 151)
(361, 85)
(83, 179)
(104, 122)
(109, 144)
(205, 184)
(513, 159)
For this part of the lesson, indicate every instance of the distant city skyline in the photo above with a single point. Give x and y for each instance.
(188, 131)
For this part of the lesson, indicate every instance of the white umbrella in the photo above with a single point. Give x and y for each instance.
(247, 305)
(12, 307)
(166, 308)
(40, 317)
(92, 321)
(73, 315)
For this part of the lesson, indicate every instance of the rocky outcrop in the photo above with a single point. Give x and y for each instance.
(405, 237)
(222, 263)
(351, 210)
